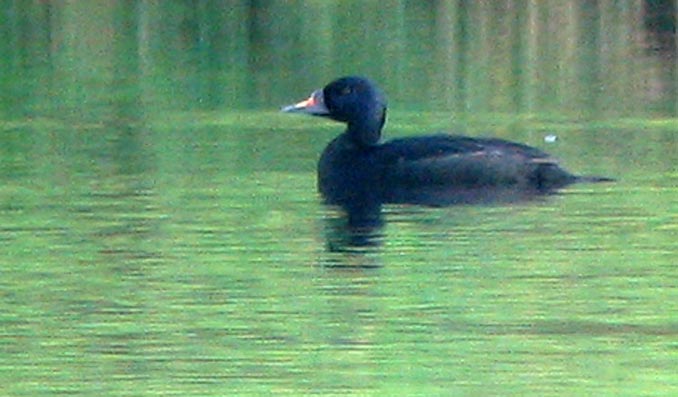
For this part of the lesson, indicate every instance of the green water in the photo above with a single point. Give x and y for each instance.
(161, 234)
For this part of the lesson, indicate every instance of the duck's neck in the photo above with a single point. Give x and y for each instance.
(366, 131)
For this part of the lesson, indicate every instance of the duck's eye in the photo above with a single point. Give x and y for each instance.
(345, 90)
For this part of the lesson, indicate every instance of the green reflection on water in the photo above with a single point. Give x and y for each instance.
(160, 237)
(198, 265)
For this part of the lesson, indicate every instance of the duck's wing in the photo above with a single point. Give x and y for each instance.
(468, 162)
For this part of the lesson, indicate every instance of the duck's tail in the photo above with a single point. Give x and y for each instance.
(593, 179)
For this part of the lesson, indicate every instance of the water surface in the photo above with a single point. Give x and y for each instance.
(161, 233)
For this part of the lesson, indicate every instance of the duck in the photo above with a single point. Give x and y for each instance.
(439, 169)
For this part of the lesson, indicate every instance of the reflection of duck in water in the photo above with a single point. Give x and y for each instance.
(359, 172)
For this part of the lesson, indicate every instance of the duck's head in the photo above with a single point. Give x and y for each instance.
(352, 100)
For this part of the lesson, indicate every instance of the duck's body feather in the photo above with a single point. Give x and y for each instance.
(355, 168)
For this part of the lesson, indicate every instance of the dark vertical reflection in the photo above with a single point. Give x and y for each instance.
(544, 50)
(519, 69)
(221, 44)
(446, 50)
(168, 50)
(25, 54)
(276, 48)
(660, 20)
(128, 115)
(481, 42)
(230, 45)
(575, 58)
(317, 43)
(390, 33)
(125, 98)
(462, 26)
(588, 62)
(617, 34)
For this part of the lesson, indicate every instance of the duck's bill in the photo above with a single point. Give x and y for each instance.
(314, 105)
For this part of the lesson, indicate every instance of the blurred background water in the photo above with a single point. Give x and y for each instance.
(161, 234)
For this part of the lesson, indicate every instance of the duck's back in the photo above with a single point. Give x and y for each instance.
(466, 163)
(437, 169)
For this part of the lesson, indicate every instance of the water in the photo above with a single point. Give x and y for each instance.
(177, 267)
(155, 244)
